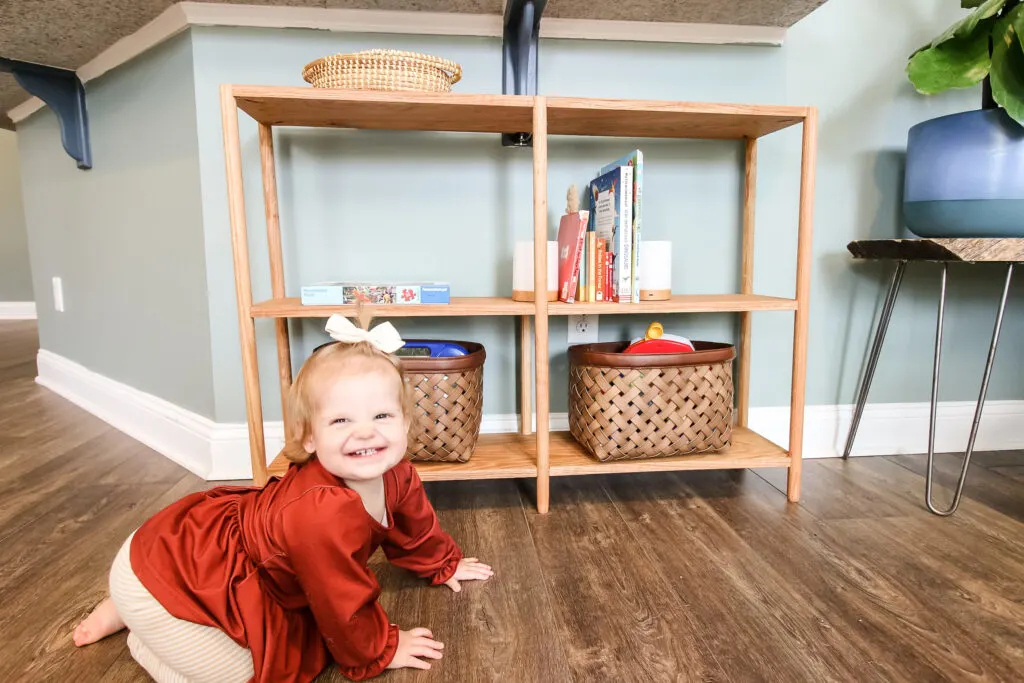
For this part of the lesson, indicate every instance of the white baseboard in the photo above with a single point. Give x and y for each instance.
(17, 310)
(896, 428)
(220, 451)
(178, 434)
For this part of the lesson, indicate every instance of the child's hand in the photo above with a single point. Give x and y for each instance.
(469, 569)
(413, 644)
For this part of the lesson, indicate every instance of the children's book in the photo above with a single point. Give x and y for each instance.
(636, 160)
(571, 232)
(611, 196)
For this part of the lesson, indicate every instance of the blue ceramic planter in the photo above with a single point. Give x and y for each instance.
(965, 176)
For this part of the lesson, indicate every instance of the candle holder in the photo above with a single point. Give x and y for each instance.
(522, 271)
(655, 270)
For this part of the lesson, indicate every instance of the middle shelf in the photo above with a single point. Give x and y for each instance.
(291, 307)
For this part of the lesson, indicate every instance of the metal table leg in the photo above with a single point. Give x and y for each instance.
(876, 349)
(981, 398)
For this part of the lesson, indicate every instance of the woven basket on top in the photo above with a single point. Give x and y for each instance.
(625, 406)
(387, 70)
(449, 395)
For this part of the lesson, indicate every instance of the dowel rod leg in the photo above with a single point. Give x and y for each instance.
(803, 295)
(525, 376)
(747, 282)
(243, 285)
(284, 358)
(540, 288)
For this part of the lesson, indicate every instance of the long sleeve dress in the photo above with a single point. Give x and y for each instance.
(283, 570)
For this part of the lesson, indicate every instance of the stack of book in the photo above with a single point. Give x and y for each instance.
(598, 247)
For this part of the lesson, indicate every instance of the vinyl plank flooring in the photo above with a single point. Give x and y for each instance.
(892, 588)
(748, 612)
(617, 613)
(982, 484)
(696, 576)
(490, 629)
(66, 587)
(1015, 472)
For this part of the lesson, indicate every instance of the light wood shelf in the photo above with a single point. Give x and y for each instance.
(460, 306)
(679, 303)
(540, 454)
(653, 119)
(748, 449)
(496, 456)
(451, 112)
(505, 456)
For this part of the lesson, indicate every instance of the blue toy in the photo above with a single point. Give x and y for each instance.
(431, 349)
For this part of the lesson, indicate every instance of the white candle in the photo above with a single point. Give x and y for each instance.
(655, 270)
(522, 271)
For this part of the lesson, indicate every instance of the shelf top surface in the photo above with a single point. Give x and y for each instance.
(292, 307)
(667, 119)
(463, 112)
(318, 107)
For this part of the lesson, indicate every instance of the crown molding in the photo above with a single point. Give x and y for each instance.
(180, 16)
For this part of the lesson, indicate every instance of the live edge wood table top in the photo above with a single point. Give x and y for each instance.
(963, 250)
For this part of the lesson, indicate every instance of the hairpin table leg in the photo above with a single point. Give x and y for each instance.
(981, 397)
(876, 349)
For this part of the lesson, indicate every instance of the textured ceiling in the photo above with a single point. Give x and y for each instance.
(69, 33)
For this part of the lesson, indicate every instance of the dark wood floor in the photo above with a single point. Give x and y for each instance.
(668, 577)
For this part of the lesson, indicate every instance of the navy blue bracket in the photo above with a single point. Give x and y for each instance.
(61, 90)
(519, 56)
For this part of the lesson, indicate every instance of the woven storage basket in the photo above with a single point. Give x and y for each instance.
(625, 406)
(449, 395)
(387, 70)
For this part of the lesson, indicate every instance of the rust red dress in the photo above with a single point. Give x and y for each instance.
(283, 569)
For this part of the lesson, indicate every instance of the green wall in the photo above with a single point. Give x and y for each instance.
(126, 236)
(15, 274)
(357, 204)
(143, 239)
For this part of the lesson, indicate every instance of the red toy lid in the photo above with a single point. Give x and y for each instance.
(659, 346)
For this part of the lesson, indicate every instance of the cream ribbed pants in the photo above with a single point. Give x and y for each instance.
(172, 650)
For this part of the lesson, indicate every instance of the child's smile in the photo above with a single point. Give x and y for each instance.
(359, 430)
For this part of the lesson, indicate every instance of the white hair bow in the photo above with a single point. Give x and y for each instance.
(384, 336)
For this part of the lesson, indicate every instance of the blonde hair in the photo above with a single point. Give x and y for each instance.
(330, 360)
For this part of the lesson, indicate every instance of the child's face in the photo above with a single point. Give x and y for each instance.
(358, 430)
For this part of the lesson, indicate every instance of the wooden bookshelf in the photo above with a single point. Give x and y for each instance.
(680, 303)
(748, 449)
(529, 453)
(300, 106)
(460, 306)
(501, 456)
(652, 119)
(497, 456)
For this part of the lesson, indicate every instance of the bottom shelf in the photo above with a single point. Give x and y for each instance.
(509, 456)
(748, 450)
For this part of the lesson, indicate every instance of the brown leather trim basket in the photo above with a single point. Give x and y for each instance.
(626, 406)
(449, 398)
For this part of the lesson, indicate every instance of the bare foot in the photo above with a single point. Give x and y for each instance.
(102, 622)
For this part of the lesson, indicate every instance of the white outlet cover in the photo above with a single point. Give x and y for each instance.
(582, 329)
(58, 295)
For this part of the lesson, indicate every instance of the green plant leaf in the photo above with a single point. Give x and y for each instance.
(1008, 64)
(967, 25)
(956, 63)
(970, 4)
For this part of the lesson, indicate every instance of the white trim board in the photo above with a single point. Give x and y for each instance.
(896, 428)
(181, 15)
(18, 310)
(220, 451)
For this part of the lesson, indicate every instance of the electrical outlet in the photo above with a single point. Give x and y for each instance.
(582, 329)
(58, 295)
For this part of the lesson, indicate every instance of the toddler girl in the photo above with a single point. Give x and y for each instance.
(269, 584)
